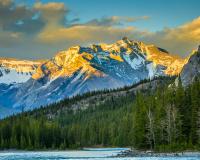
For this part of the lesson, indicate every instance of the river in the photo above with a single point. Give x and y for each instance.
(89, 153)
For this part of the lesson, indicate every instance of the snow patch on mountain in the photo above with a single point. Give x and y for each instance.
(9, 76)
(151, 69)
(16, 71)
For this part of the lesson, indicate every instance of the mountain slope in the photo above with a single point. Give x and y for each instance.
(82, 69)
(16, 71)
(192, 69)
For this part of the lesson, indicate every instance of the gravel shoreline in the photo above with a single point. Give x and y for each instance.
(135, 153)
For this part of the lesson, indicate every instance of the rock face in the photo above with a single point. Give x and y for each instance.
(191, 69)
(82, 69)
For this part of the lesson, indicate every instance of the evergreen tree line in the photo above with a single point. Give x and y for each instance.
(167, 119)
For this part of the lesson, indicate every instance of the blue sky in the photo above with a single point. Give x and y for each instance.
(163, 13)
(61, 23)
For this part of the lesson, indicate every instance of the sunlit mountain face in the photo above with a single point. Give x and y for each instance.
(88, 59)
(85, 60)
(17, 71)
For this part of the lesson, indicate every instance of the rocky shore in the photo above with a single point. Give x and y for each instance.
(136, 153)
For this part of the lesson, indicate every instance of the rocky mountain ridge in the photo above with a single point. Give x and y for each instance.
(78, 70)
(17, 71)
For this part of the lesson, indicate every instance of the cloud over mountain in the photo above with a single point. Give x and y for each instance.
(187, 36)
(35, 28)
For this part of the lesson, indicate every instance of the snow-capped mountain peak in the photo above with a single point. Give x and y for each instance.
(81, 69)
(89, 59)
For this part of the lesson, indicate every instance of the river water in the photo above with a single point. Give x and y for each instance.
(89, 153)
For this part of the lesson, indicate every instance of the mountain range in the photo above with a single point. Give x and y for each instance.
(25, 85)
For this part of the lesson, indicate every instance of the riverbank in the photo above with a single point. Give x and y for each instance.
(136, 153)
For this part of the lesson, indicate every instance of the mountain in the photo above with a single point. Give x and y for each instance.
(16, 71)
(13, 72)
(82, 69)
(192, 69)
